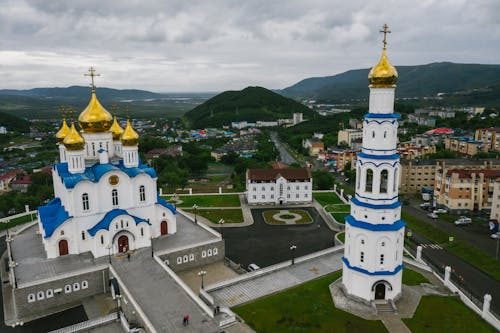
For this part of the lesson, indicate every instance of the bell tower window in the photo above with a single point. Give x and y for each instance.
(114, 197)
(85, 201)
(369, 180)
(142, 193)
(384, 176)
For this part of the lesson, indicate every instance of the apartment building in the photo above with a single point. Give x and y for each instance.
(495, 202)
(465, 146)
(347, 136)
(490, 137)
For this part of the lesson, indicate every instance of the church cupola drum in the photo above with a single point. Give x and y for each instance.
(373, 255)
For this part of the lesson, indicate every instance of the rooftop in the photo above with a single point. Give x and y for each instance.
(271, 174)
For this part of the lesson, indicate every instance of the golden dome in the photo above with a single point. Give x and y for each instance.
(116, 130)
(383, 75)
(129, 136)
(74, 141)
(95, 118)
(63, 132)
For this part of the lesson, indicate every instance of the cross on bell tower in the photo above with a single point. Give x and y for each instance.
(385, 30)
(92, 74)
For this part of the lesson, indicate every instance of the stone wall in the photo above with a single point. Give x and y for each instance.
(195, 257)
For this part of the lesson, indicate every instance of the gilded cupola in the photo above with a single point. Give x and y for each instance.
(383, 74)
(116, 130)
(74, 141)
(63, 131)
(129, 136)
(95, 118)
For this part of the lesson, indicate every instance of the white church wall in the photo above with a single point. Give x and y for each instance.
(381, 100)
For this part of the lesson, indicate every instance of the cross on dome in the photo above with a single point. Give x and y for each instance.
(385, 30)
(92, 74)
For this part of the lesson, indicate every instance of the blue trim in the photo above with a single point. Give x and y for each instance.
(364, 271)
(383, 115)
(52, 215)
(165, 204)
(362, 197)
(106, 221)
(377, 165)
(379, 157)
(378, 149)
(375, 227)
(372, 206)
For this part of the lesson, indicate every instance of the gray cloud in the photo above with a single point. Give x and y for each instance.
(179, 45)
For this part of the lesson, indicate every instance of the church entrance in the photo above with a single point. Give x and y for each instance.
(380, 291)
(164, 228)
(63, 247)
(123, 244)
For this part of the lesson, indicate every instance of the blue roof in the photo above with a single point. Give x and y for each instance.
(95, 172)
(106, 220)
(165, 204)
(52, 215)
(375, 227)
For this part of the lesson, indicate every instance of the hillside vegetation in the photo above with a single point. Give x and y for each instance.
(458, 80)
(251, 104)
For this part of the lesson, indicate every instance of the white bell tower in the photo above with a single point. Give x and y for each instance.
(373, 255)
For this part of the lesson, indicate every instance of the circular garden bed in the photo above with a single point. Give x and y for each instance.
(286, 217)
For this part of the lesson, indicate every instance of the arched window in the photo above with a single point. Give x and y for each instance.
(395, 183)
(114, 197)
(373, 134)
(85, 201)
(102, 239)
(93, 149)
(385, 134)
(369, 180)
(142, 193)
(384, 175)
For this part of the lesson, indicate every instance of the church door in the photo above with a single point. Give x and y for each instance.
(123, 244)
(63, 247)
(164, 227)
(380, 291)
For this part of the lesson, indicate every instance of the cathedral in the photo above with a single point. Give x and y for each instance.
(106, 201)
(372, 262)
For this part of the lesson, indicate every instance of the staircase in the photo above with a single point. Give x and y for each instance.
(384, 307)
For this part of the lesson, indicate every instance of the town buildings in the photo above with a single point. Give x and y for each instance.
(495, 201)
(490, 137)
(347, 136)
(278, 186)
(465, 146)
(314, 146)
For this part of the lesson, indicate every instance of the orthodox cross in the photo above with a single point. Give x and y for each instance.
(385, 31)
(92, 73)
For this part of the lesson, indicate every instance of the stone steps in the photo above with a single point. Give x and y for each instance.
(384, 308)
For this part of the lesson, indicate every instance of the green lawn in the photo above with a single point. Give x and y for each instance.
(338, 208)
(306, 308)
(268, 216)
(339, 217)
(230, 200)
(17, 221)
(464, 250)
(437, 314)
(412, 278)
(327, 198)
(341, 237)
(214, 215)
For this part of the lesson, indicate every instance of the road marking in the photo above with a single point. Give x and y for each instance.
(431, 246)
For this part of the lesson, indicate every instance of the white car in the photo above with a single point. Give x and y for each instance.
(463, 220)
(495, 235)
(253, 267)
(433, 215)
(425, 205)
(440, 211)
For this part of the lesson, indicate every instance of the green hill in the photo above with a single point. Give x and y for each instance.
(250, 104)
(14, 123)
(414, 81)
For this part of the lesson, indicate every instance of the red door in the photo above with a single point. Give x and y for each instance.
(123, 244)
(164, 228)
(63, 247)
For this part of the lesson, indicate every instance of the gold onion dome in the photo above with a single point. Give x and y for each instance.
(383, 75)
(63, 132)
(74, 141)
(95, 118)
(129, 136)
(116, 130)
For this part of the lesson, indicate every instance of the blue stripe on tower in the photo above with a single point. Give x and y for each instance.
(376, 206)
(375, 227)
(364, 271)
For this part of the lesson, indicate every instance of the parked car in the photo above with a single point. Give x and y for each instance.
(433, 215)
(463, 220)
(425, 205)
(440, 211)
(495, 235)
(253, 267)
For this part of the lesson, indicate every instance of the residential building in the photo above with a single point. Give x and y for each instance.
(3, 130)
(355, 123)
(410, 152)
(343, 157)
(242, 146)
(278, 186)
(465, 190)
(465, 146)
(314, 146)
(298, 117)
(7, 178)
(495, 201)
(172, 151)
(347, 136)
(421, 120)
(490, 137)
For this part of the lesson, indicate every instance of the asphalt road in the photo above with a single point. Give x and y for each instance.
(50, 323)
(472, 278)
(266, 245)
(285, 155)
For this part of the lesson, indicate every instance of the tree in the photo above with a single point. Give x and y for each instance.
(322, 180)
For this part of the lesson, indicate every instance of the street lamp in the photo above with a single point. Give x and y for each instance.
(221, 222)
(293, 248)
(202, 275)
(175, 200)
(195, 206)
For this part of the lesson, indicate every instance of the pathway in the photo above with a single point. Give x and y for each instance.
(273, 279)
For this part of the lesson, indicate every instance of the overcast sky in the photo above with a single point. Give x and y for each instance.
(212, 45)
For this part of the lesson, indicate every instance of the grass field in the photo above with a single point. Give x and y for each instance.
(268, 216)
(307, 308)
(437, 314)
(469, 253)
(412, 278)
(339, 217)
(230, 200)
(338, 208)
(327, 198)
(341, 237)
(214, 215)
